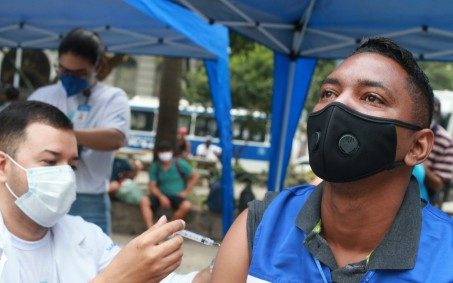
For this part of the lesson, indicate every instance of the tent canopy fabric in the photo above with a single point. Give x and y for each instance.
(332, 29)
(131, 26)
(153, 27)
(304, 31)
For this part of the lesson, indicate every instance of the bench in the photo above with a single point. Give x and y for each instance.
(126, 219)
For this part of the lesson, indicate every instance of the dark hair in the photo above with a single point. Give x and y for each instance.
(11, 93)
(120, 166)
(15, 118)
(164, 146)
(83, 43)
(417, 83)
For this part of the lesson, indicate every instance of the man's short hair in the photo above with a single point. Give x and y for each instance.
(18, 116)
(417, 82)
(84, 43)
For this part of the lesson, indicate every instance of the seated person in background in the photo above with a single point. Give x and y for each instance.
(439, 165)
(182, 145)
(171, 180)
(123, 187)
(208, 150)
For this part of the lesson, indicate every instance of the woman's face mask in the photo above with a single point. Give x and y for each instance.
(75, 82)
(73, 85)
(51, 192)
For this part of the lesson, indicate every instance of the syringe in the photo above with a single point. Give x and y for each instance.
(197, 238)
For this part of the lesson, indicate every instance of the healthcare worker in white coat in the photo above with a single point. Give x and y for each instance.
(39, 242)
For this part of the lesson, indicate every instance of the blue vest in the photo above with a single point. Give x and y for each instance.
(279, 254)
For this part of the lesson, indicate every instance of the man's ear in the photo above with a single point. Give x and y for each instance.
(421, 147)
(3, 159)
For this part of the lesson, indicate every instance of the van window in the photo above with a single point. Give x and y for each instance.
(205, 126)
(142, 120)
(249, 129)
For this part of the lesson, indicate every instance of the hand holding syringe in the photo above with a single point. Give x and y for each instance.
(197, 238)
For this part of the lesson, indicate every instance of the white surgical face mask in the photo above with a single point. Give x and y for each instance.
(165, 156)
(51, 192)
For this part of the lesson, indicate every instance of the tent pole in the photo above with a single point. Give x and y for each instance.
(299, 37)
(17, 64)
(281, 150)
(195, 10)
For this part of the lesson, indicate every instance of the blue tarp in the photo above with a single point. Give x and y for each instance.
(291, 83)
(325, 29)
(154, 27)
(219, 81)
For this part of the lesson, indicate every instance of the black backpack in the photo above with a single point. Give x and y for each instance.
(246, 196)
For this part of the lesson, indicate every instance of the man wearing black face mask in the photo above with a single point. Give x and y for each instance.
(101, 117)
(366, 221)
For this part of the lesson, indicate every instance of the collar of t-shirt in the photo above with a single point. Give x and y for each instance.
(24, 245)
(397, 251)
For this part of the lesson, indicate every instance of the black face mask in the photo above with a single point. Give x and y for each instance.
(345, 145)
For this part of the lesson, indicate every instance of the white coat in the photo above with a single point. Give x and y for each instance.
(81, 251)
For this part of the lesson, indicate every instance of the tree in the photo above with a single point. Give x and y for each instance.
(323, 69)
(251, 73)
(440, 74)
(170, 93)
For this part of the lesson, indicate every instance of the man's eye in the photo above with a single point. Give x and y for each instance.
(49, 162)
(373, 99)
(325, 94)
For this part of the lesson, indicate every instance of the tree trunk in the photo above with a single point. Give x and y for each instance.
(170, 93)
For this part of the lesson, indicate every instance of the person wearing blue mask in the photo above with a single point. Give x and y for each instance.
(365, 222)
(101, 118)
(39, 242)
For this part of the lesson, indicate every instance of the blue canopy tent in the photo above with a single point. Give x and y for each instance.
(300, 31)
(155, 27)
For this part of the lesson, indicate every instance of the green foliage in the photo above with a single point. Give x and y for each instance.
(323, 69)
(240, 44)
(440, 74)
(294, 178)
(251, 75)
(195, 87)
(252, 79)
(240, 174)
